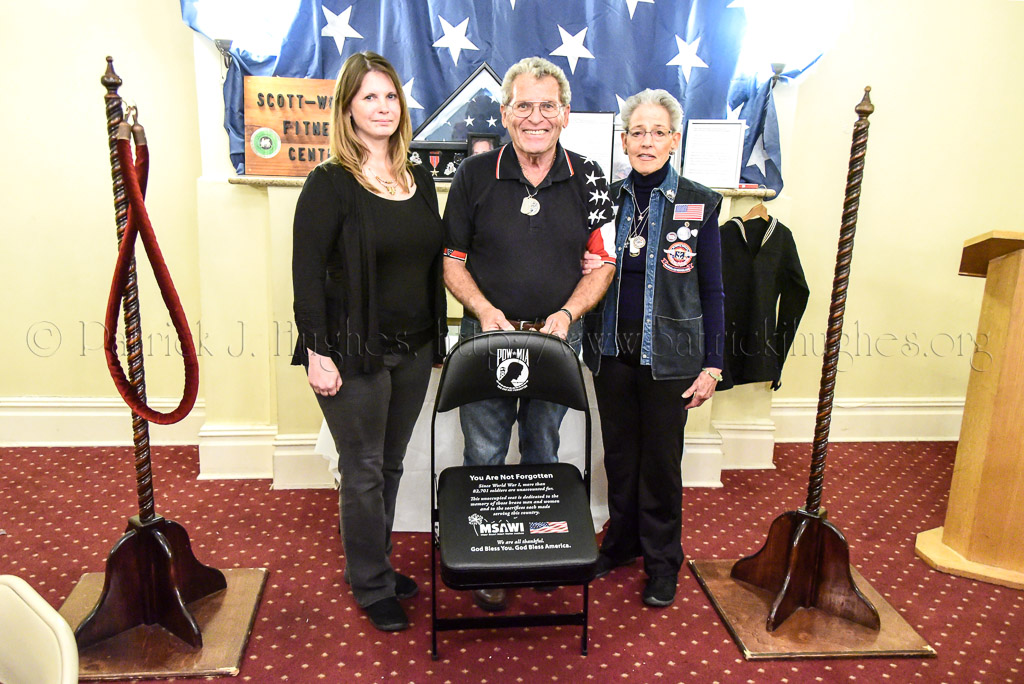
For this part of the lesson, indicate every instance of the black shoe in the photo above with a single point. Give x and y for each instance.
(405, 587)
(387, 615)
(606, 565)
(490, 599)
(660, 591)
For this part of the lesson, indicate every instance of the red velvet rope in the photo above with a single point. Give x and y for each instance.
(138, 223)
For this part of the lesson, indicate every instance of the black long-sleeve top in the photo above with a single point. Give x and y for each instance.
(335, 279)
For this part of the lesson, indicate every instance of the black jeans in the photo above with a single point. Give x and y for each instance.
(371, 419)
(642, 421)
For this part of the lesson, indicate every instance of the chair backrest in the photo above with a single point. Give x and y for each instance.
(37, 645)
(511, 364)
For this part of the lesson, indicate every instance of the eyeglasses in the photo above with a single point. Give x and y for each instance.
(657, 135)
(549, 110)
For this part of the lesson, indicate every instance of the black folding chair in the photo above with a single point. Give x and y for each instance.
(511, 525)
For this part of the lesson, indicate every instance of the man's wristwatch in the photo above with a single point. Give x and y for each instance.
(716, 376)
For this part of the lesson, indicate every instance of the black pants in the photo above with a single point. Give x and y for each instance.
(642, 421)
(371, 419)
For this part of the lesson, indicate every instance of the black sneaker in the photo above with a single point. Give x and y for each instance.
(387, 615)
(660, 591)
(606, 565)
(405, 587)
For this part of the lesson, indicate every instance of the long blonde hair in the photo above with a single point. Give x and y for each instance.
(346, 147)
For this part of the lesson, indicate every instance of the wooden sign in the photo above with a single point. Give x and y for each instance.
(287, 124)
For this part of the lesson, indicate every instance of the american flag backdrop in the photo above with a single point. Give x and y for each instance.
(609, 50)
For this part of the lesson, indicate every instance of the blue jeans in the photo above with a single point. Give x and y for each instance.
(487, 425)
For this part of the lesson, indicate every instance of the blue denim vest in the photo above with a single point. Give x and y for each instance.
(673, 333)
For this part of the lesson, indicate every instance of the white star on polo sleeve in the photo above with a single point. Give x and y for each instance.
(687, 58)
(410, 101)
(758, 155)
(572, 48)
(631, 4)
(454, 38)
(338, 27)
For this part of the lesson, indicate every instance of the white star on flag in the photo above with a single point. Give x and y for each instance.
(491, 122)
(410, 101)
(513, 3)
(469, 121)
(338, 27)
(620, 102)
(572, 48)
(758, 155)
(734, 114)
(687, 58)
(631, 4)
(454, 38)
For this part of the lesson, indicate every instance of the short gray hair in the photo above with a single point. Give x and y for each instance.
(659, 97)
(538, 67)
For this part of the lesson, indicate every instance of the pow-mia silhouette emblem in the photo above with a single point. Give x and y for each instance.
(513, 370)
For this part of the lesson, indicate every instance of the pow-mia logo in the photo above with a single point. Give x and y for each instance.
(678, 258)
(513, 370)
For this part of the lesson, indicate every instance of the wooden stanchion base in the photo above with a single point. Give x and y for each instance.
(809, 632)
(149, 651)
(934, 552)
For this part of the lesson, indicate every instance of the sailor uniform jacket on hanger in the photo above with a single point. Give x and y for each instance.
(761, 272)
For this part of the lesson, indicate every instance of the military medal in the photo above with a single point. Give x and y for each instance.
(530, 207)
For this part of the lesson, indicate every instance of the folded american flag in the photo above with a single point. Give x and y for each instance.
(548, 527)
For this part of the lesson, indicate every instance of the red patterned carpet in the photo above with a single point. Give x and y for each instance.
(62, 510)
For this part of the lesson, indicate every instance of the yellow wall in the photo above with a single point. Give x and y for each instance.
(58, 237)
(943, 156)
(942, 162)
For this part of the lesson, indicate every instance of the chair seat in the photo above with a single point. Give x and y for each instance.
(514, 525)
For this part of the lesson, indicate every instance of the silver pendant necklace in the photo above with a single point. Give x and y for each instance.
(530, 206)
(634, 239)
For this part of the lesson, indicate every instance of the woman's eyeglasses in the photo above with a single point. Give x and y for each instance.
(657, 135)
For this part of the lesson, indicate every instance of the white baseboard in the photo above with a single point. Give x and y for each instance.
(297, 465)
(88, 421)
(747, 446)
(872, 420)
(236, 452)
(702, 461)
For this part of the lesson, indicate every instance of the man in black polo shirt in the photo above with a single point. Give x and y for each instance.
(518, 220)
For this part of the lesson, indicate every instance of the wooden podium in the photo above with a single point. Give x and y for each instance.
(983, 537)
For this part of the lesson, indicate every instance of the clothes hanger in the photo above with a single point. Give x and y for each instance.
(756, 211)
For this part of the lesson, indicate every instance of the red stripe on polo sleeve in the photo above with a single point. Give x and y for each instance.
(596, 245)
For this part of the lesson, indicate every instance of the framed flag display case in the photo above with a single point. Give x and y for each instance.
(472, 112)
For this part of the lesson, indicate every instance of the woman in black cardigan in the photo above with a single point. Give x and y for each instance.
(370, 312)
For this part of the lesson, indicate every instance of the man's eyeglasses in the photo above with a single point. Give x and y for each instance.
(657, 135)
(549, 110)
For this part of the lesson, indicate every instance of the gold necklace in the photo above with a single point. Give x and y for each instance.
(390, 186)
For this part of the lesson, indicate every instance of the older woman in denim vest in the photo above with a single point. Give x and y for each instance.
(654, 344)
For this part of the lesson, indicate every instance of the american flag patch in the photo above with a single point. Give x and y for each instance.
(688, 212)
(549, 527)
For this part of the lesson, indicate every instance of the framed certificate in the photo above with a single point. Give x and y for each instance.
(714, 151)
